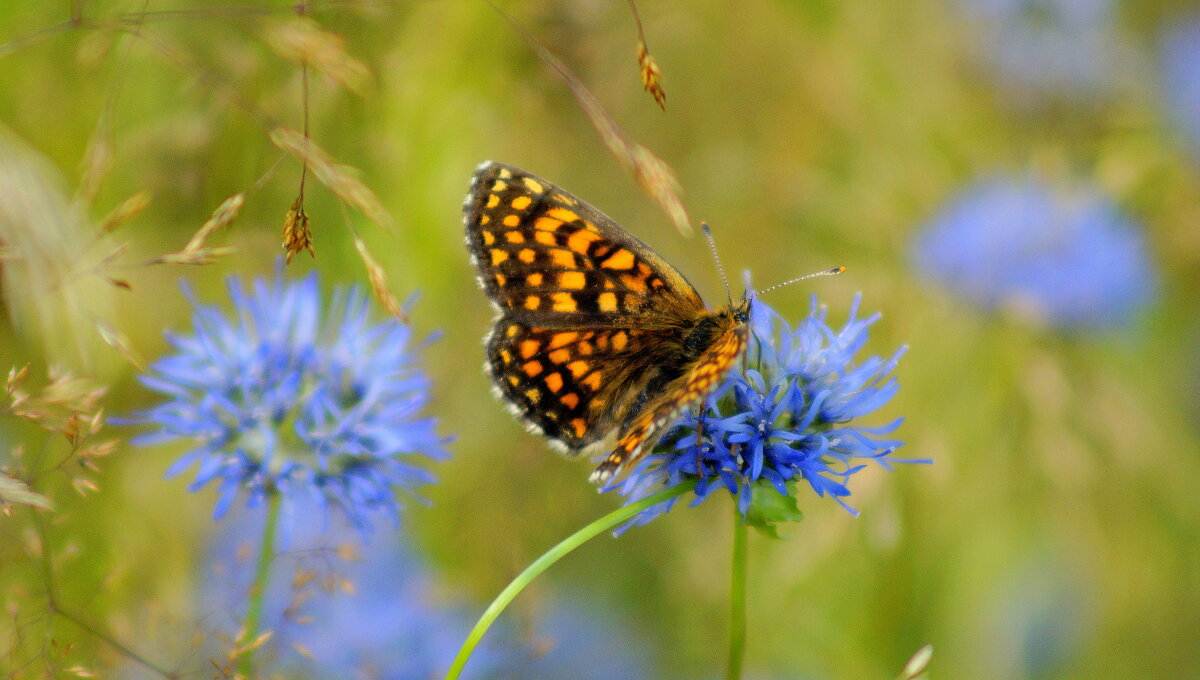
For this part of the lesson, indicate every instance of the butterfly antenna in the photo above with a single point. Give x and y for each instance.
(712, 246)
(826, 272)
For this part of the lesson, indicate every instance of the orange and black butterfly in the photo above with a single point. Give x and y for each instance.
(596, 332)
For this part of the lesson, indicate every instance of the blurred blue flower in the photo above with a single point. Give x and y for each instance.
(1180, 56)
(344, 609)
(1069, 260)
(378, 611)
(1041, 620)
(1048, 47)
(787, 417)
(581, 640)
(279, 397)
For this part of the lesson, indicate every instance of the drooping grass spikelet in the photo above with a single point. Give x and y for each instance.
(127, 210)
(651, 75)
(297, 235)
(378, 279)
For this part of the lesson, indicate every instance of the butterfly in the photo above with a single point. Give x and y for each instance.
(596, 333)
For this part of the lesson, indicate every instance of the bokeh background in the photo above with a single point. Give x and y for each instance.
(1014, 184)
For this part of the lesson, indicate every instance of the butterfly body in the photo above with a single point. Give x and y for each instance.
(596, 333)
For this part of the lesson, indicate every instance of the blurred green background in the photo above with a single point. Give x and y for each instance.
(1057, 534)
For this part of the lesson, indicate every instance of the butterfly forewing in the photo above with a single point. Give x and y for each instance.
(549, 258)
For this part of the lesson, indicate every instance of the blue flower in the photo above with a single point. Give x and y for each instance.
(1044, 613)
(1048, 47)
(1071, 260)
(580, 639)
(279, 397)
(787, 417)
(342, 609)
(1180, 58)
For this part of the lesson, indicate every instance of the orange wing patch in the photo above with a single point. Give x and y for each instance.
(622, 259)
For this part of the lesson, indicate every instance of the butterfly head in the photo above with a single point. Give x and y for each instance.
(741, 311)
(729, 319)
(735, 314)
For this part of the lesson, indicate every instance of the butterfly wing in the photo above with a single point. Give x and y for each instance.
(664, 406)
(570, 385)
(549, 259)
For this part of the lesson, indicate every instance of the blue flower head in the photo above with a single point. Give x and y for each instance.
(278, 396)
(1180, 58)
(1072, 261)
(1048, 47)
(786, 417)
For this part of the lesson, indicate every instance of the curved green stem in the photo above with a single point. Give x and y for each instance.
(551, 556)
(737, 601)
(258, 591)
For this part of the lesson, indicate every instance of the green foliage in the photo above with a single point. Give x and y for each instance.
(769, 508)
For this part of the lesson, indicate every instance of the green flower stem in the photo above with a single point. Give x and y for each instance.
(258, 591)
(737, 600)
(551, 556)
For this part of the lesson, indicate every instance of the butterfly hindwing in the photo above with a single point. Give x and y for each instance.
(568, 384)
